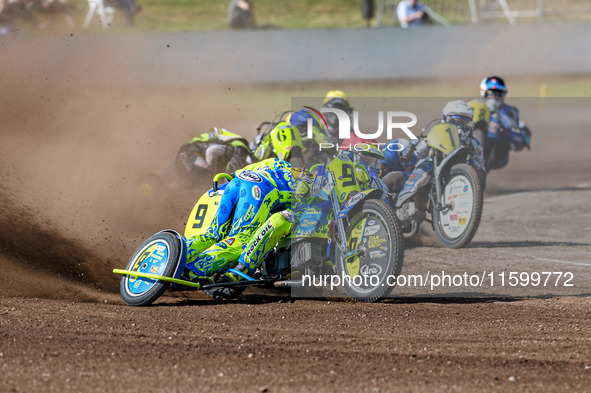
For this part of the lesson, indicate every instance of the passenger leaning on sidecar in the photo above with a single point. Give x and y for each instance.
(504, 131)
(252, 217)
(218, 150)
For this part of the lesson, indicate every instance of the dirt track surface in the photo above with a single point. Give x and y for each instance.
(278, 345)
(71, 159)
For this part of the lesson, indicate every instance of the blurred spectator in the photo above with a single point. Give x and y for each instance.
(35, 12)
(240, 14)
(130, 9)
(411, 13)
(15, 9)
(367, 10)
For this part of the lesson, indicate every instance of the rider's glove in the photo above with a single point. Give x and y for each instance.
(362, 174)
(288, 215)
(302, 189)
(407, 153)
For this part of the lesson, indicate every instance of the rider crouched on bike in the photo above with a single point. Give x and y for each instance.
(402, 156)
(505, 131)
(460, 114)
(253, 215)
(211, 153)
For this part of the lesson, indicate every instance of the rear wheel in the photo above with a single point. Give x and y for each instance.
(456, 225)
(158, 255)
(374, 233)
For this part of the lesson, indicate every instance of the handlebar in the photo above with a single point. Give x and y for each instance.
(265, 123)
(427, 127)
(218, 177)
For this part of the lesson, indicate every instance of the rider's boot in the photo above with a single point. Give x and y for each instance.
(235, 277)
(189, 275)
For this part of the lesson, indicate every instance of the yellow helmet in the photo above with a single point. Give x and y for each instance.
(336, 94)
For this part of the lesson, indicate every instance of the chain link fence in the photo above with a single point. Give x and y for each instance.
(448, 12)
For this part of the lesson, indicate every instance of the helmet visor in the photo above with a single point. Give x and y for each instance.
(494, 94)
(372, 161)
(465, 123)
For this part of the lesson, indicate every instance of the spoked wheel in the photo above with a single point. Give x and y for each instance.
(456, 225)
(374, 235)
(158, 255)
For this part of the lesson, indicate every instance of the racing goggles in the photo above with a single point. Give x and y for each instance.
(372, 161)
(494, 94)
(465, 123)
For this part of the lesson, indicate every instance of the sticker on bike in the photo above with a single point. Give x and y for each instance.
(250, 176)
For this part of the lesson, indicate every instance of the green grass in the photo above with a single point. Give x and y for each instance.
(191, 15)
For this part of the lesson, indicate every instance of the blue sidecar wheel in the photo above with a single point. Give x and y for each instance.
(158, 255)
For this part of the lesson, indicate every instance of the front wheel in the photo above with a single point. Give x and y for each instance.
(456, 224)
(374, 235)
(158, 255)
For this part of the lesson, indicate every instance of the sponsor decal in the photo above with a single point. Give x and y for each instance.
(305, 233)
(248, 212)
(371, 230)
(230, 241)
(250, 176)
(453, 217)
(376, 254)
(258, 239)
(413, 176)
(465, 188)
(372, 222)
(370, 270)
(256, 193)
(308, 223)
(462, 220)
(354, 199)
(375, 241)
(154, 269)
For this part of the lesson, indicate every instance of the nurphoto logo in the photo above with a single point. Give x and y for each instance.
(345, 123)
(394, 120)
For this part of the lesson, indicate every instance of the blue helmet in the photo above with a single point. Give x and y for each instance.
(493, 86)
(300, 119)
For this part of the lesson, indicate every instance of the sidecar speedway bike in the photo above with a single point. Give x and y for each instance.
(347, 227)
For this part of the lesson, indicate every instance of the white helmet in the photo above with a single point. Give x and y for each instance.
(459, 113)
